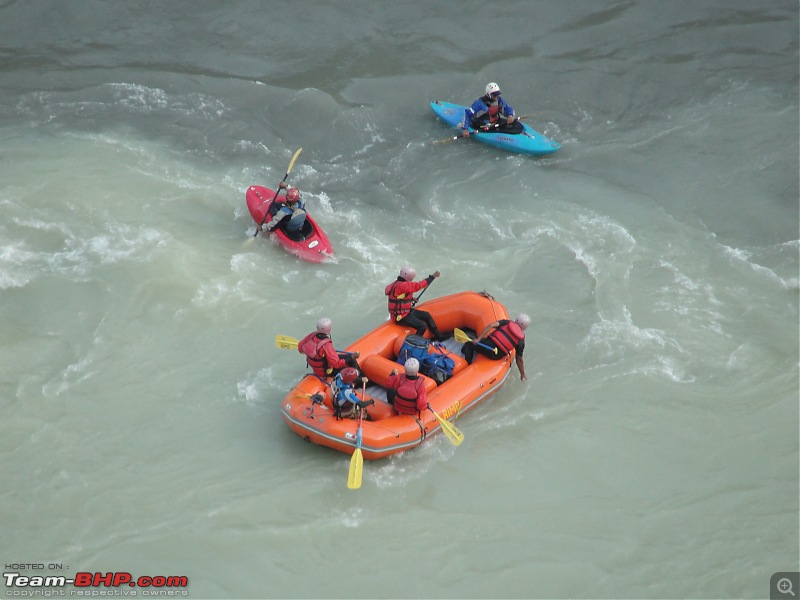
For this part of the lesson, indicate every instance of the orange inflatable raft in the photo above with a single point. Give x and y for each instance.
(387, 432)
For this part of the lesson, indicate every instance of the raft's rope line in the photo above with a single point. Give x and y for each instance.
(422, 429)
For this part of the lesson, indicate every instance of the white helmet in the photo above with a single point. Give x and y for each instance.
(411, 366)
(523, 321)
(324, 326)
(491, 88)
(408, 273)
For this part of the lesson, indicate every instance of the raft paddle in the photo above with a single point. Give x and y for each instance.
(450, 430)
(357, 460)
(523, 117)
(458, 137)
(289, 170)
(462, 337)
(415, 300)
(284, 342)
(473, 132)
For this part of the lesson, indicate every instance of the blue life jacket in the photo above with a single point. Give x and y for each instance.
(342, 394)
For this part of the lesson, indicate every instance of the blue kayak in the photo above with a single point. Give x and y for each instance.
(527, 141)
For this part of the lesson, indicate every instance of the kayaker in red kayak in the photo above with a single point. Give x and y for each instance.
(289, 214)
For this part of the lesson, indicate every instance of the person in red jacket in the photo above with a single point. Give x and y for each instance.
(505, 336)
(407, 392)
(321, 356)
(402, 301)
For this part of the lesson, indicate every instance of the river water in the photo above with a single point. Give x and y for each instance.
(653, 451)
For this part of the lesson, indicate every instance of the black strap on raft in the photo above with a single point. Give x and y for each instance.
(315, 399)
(422, 429)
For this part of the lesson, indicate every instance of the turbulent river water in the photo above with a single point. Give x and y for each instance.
(653, 451)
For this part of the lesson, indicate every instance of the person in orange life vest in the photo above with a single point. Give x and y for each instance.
(323, 359)
(406, 392)
(488, 111)
(289, 215)
(401, 303)
(505, 336)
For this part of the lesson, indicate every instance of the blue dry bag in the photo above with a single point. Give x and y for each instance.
(414, 346)
(435, 364)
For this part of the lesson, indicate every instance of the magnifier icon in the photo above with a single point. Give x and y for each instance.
(784, 586)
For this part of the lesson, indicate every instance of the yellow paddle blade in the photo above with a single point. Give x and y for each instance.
(460, 336)
(294, 158)
(451, 431)
(284, 342)
(356, 468)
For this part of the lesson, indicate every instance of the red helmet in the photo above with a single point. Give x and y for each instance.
(349, 374)
(293, 194)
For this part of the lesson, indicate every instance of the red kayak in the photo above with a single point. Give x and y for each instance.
(314, 247)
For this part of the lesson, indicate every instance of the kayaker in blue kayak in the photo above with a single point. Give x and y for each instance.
(488, 112)
(289, 214)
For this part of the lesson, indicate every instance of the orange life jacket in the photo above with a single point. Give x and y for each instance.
(405, 402)
(507, 337)
(312, 347)
(398, 307)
